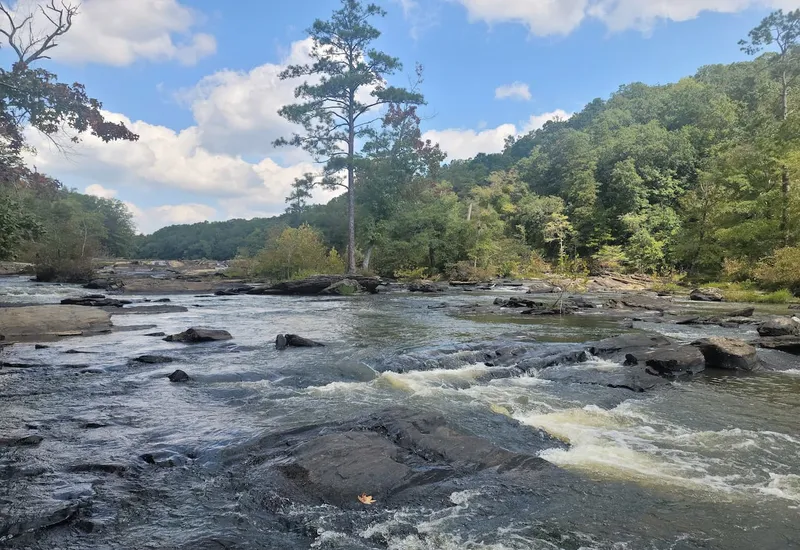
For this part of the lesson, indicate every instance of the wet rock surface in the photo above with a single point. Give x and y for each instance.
(284, 341)
(178, 377)
(199, 336)
(397, 456)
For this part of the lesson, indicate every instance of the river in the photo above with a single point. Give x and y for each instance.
(131, 460)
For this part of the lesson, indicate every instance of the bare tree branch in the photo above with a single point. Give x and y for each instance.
(28, 47)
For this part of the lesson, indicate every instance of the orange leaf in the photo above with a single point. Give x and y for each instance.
(364, 498)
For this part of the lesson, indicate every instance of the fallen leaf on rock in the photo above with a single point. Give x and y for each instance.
(364, 498)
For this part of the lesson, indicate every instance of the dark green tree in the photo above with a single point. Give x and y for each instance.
(346, 84)
(781, 30)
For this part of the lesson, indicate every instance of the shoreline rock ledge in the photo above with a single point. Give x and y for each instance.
(48, 322)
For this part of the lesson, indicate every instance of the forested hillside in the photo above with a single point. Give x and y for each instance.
(695, 176)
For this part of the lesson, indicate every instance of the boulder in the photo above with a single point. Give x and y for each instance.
(728, 353)
(676, 361)
(746, 312)
(788, 344)
(345, 287)
(780, 326)
(153, 359)
(283, 341)
(199, 335)
(426, 287)
(542, 287)
(178, 376)
(709, 294)
(639, 301)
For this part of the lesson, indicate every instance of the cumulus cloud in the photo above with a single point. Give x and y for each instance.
(561, 17)
(148, 220)
(120, 32)
(98, 190)
(237, 111)
(466, 143)
(517, 90)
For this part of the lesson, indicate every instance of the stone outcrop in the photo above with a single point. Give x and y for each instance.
(314, 285)
(728, 353)
(709, 294)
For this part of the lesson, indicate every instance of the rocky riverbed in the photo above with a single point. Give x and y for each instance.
(464, 416)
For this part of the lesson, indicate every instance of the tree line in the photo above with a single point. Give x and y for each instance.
(694, 177)
(691, 177)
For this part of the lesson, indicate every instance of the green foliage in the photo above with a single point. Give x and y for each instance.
(781, 270)
(332, 112)
(295, 253)
(693, 177)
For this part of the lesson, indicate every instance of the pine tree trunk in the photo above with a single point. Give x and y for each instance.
(351, 192)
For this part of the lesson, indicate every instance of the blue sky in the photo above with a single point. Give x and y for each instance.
(197, 79)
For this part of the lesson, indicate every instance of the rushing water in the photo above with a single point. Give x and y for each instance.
(712, 463)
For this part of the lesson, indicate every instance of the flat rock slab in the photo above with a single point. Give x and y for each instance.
(52, 321)
(392, 452)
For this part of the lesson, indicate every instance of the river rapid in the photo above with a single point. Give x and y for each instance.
(130, 460)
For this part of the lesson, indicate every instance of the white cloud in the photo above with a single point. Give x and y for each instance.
(561, 17)
(466, 143)
(517, 90)
(542, 17)
(148, 220)
(237, 111)
(120, 32)
(98, 190)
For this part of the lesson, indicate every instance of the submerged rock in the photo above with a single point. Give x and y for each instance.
(156, 334)
(178, 376)
(709, 294)
(728, 353)
(283, 341)
(27, 441)
(199, 336)
(154, 359)
(780, 326)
